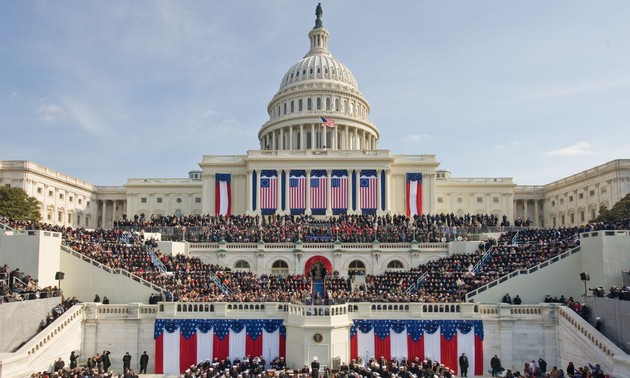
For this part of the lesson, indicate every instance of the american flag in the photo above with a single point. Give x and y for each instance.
(339, 190)
(328, 122)
(297, 190)
(318, 189)
(367, 184)
(268, 190)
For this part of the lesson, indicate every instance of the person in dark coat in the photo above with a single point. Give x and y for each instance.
(144, 361)
(495, 364)
(73, 360)
(126, 361)
(463, 365)
(315, 367)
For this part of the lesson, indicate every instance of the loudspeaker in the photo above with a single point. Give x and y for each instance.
(59, 275)
(585, 276)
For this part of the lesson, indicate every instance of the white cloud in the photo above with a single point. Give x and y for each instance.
(578, 149)
(50, 113)
(416, 137)
(82, 115)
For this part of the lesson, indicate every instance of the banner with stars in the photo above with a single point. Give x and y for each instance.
(439, 340)
(182, 343)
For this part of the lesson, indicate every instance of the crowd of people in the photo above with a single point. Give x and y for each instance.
(187, 279)
(291, 228)
(17, 286)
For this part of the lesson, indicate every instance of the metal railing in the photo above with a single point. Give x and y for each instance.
(518, 272)
(155, 260)
(417, 285)
(108, 269)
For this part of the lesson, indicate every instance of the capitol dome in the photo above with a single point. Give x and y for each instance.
(318, 90)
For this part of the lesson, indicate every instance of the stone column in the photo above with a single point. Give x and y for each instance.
(347, 141)
(273, 140)
(212, 193)
(257, 191)
(286, 190)
(355, 140)
(302, 139)
(324, 136)
(290, 137)
(281, 140)
(312, 138)
(104, 212)
(248, 191)
(308, 192)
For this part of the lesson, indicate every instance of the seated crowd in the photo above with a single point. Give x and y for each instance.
(291, 228)
(17, 286)
(190, 279)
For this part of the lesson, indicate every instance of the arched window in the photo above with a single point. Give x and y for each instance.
(327, 104)
(309, 104)
(292, 106)
(356, 267)
(319, 103)
(285, 108)
(241, 265)
(395, 264)
(280, 267)
(337, 104)
(300, 105)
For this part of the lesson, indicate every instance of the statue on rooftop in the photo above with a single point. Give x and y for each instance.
(318, 12)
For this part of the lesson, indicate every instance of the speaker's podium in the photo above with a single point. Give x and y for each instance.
(318, 331)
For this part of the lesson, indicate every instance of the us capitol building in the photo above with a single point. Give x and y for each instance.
(319, 155)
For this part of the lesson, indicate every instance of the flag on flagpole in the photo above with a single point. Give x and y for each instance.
(182, 343)
(223, 194)
(339, 191)
(439, 340)
(328, 122)
(414, 194)
(297, 191)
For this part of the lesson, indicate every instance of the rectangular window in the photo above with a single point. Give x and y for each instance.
(50, 193)
(197, 199)
(59, 216)
(70, 198)
(570, 198)
(70, 218)
(581, 195)
(591, 193)
(440, 199)
(80, 201)
(553, 203)
(143, 200)
(39, 190)
(479, 199)
(562, 203)
(604, 189)
(60, 196)
(159, 200)
(495, 199)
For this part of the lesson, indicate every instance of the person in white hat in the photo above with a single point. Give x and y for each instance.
(315, 367)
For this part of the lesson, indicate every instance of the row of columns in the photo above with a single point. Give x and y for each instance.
(341, 137)
(114, 208)
(308, 211)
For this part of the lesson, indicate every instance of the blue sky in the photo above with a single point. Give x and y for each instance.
(104, 91)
